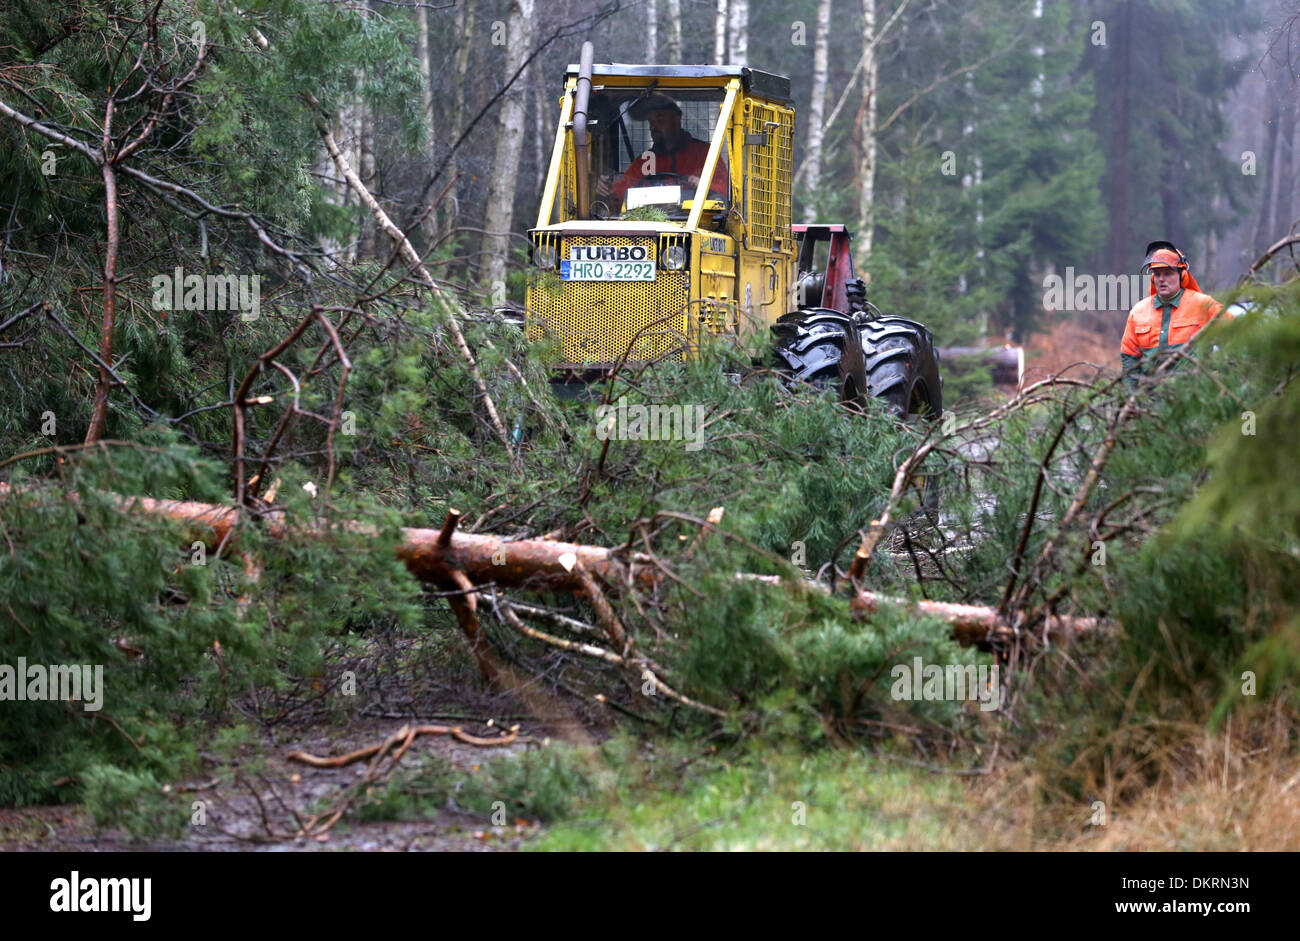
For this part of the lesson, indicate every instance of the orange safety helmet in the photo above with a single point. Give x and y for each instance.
(1162, 254)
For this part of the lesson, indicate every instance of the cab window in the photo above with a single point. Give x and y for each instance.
(649, 148)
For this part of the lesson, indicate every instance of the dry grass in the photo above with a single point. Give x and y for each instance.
(1224, 796)
(1238, 790)
(1075, 340)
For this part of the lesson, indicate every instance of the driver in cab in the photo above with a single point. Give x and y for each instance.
(674, 152)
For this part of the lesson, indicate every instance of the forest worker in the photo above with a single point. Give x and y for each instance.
(1173, 312)
(675, 150)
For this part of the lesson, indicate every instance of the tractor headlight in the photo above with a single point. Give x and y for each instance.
(544, 256)
(675, 257)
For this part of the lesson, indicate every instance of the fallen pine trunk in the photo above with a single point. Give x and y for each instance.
(431, 555)
(466, 560)
(973, 624)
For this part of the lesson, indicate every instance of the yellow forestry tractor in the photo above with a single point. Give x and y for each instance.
(666, 217)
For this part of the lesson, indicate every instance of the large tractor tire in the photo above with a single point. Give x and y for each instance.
(902, 367)
(887, 358)
(822, 347)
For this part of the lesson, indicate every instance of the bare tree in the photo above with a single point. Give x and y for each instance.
(426, 92)
(867, 126)
(738, 32)
(675, 32)
(540, 136)
(344, 128)
(455, 121)
(1117, 160)
(366, 146)
(1282, 216)
(426, 68)
(1280, 70)
(720, 33)
(867, 53)
(323, 170)
(865, 169)
(651, 31)
(817, 108)
(1287, 183)
(1264, 224)
(99, 412)
(499, 218)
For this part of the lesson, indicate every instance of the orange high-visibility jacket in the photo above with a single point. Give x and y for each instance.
(1152, 328)
(687, 160)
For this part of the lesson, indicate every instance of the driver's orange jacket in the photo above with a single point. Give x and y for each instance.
(687, 160)
(1155, 326)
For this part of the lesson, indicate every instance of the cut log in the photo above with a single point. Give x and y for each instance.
(1006, 363)
(973, 624)
(538, 563)
(454, 559)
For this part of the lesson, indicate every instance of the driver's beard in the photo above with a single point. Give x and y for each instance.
(666, 143)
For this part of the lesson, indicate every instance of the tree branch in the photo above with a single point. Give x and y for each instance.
(412, 258)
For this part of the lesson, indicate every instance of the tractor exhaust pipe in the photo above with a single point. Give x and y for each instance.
(581, 97)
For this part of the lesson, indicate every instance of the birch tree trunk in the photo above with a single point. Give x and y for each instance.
(720, 33)
(500, 216)
(429, 225)
(366, 144)
(651, 31)
(324, 170)
(817, 108)
(974, 179)
(675, 32)
(460, 81)
(426, 68)
(738, 29)
(540, 135)
(348, 140)
(866, 166)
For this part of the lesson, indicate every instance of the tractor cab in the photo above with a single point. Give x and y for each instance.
(666, 214)
(650, 149)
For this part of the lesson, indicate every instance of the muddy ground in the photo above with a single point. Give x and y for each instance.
(255, 798)
(266, 810)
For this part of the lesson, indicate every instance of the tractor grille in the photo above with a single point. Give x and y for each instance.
(597, 321)
(769, 213)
